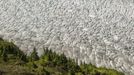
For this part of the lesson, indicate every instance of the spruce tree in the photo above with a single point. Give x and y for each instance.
(4, 55)
(34, 55)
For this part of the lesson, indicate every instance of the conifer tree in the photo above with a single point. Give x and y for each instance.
(4, 55)
(1, 39)
(34, 55)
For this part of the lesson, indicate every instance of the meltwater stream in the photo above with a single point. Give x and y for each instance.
(100, 32)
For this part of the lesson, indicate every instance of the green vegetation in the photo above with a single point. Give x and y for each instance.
(14, 62)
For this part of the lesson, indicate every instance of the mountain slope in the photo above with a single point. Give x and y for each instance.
(14, 62)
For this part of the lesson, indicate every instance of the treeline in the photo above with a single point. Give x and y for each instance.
(9, 49)
(14, 62)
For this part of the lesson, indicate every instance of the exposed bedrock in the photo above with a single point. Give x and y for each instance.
(100, 32)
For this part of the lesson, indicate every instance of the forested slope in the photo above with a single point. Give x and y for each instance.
(15, 62)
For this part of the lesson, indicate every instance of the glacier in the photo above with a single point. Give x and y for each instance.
(100, 32)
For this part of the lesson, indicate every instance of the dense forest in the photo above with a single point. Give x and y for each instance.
(14, 62)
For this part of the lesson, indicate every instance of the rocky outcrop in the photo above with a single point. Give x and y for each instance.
(100, 32)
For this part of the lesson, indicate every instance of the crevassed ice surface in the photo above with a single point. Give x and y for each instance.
(100, 32)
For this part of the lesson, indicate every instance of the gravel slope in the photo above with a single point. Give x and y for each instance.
(100, 32)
